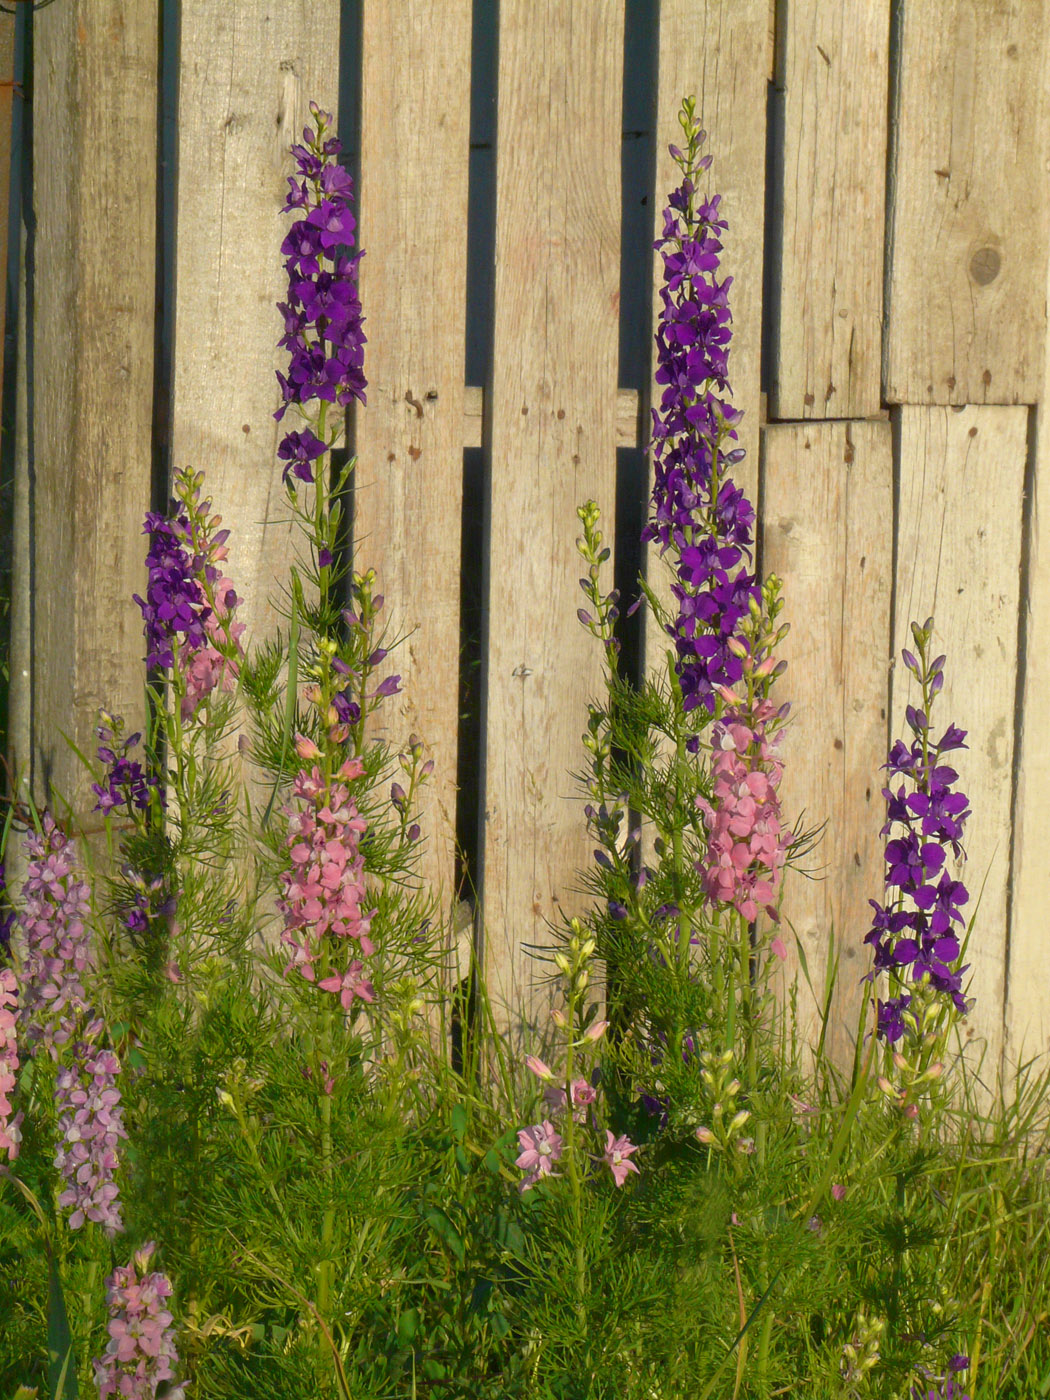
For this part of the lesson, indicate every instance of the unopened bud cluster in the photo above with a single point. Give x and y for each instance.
(727, 1120)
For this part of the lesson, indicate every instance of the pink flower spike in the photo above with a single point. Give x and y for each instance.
(616, 1155)
(838, 1191)
(777, 948)
(596, 1030)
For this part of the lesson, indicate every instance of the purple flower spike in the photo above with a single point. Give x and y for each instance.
(915, 934)
(322, 316)
(698, 513)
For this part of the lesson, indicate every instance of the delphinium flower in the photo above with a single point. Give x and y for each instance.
(10, 1122)
(90, 1123)
(540, 1147)
(58, 946)
(7, 917)
(322, 316)
(699, 515)
(946, 1387)
(915, 930)
(140, 1353)
(747, 840)
(126, 784)
(617, 1156)
(190, 603)
(325, 902)
(573, 1095)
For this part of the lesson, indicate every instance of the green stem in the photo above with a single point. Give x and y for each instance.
(573, 1169)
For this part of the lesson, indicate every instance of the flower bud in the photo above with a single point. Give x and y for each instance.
(306, 749)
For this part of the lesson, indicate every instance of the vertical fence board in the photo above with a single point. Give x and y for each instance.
(7, 73)
(1027, 1005)
(958, 558)
(972, 206)
(827, 533)
(94, 158)
(553, 444)
(409, 492)
(836, 74)
(245, 83)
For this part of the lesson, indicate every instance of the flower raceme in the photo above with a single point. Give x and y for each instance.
(324, 898)
(90, 1121)
(140, 1353)
(10, 1124)
(190, 604)
(699, 515)
(322, 316)
(58, 947)
(917, 925)
(747, 843)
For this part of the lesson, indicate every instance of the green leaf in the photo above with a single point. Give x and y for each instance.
(407, 1327)
(61, 1366)
(447, 1233)
(459, 1122)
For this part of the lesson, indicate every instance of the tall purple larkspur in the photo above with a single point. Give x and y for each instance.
(699, 515)
(322, 316)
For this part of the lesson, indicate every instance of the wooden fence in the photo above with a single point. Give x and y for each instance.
(884, 168)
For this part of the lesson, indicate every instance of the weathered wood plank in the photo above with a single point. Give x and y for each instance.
(630, 430)
(409, 441)
(967, 307)
(246, 79)
(553, 445)
(1027, 1005)
(94, 156)
(829, 342)
(958, 558)
(7, 75)
(828, 534)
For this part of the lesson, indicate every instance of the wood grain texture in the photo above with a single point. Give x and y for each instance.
(553, 445)
(7, 74)
(727, 73)
(408, 501)
(967, 300)
(247, 76)
(94, 158)
(828, 534)
(1027, 1005)
(829, 339)
(630, 430)
(958, 558)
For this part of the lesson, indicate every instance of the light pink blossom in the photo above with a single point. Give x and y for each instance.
(747, 843)
(10, 1126)
(617, 1157)
(325, 900)
(58, 943)
(541, 1148)
(140, 1353)
(90, 1125)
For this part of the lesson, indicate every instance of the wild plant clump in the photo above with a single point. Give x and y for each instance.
(242, 1155)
